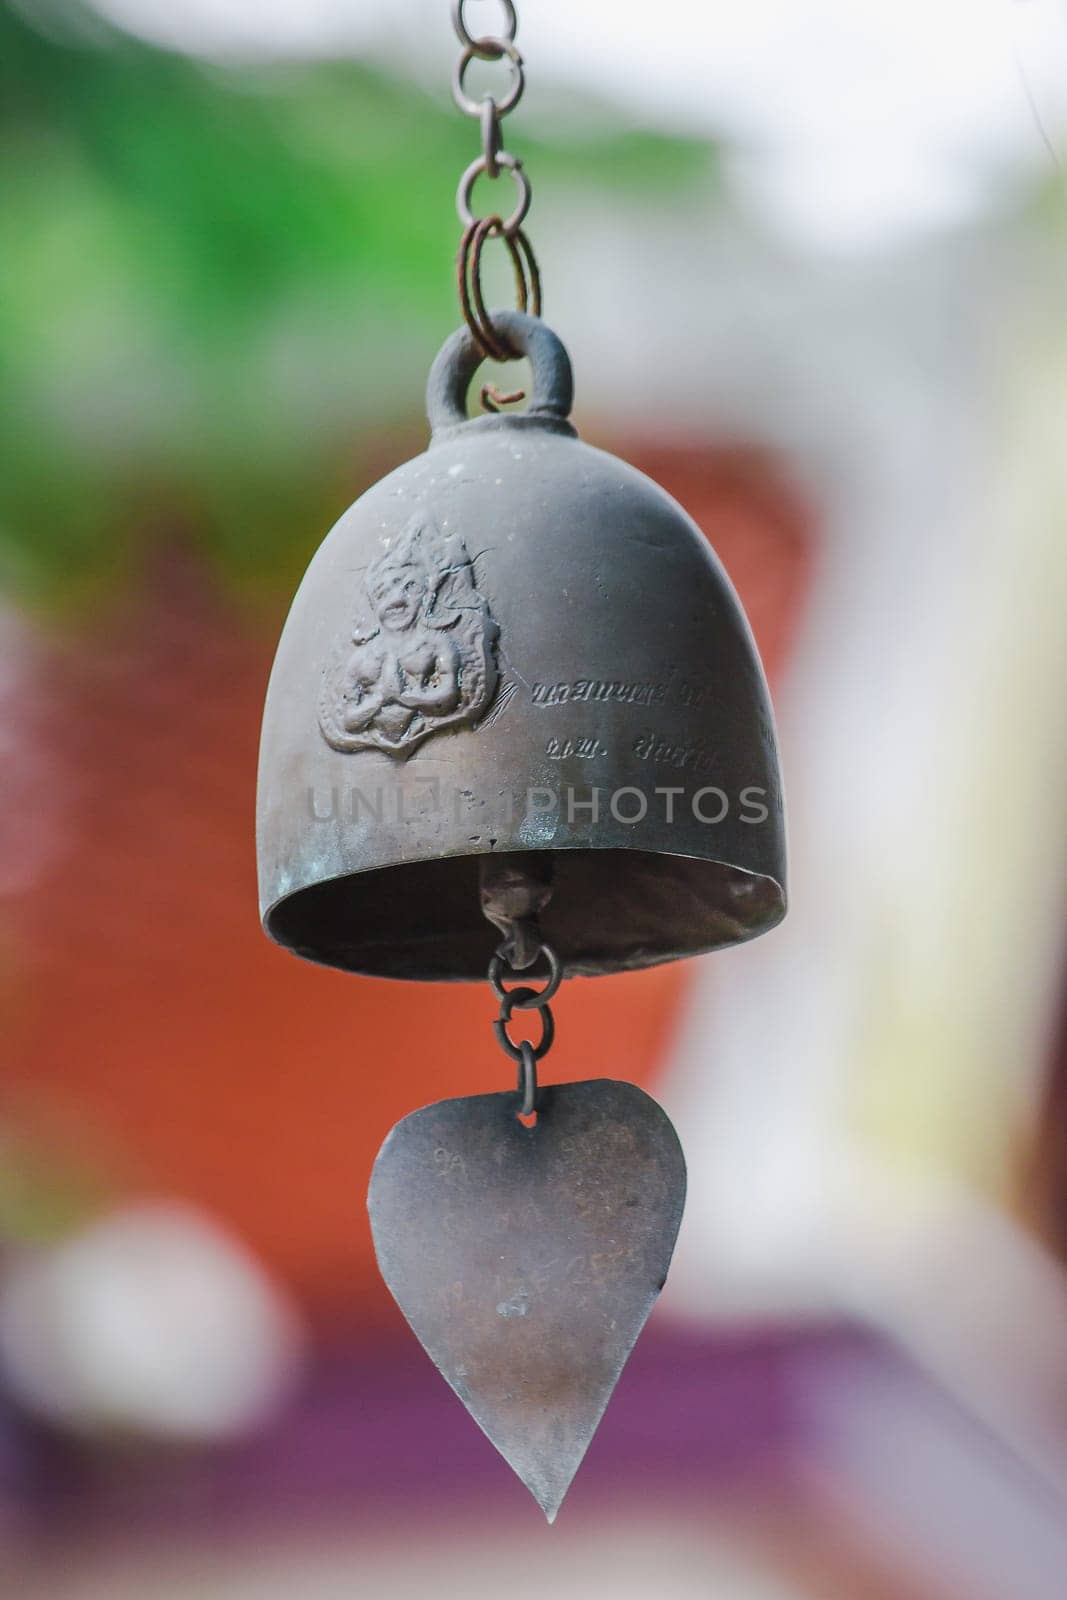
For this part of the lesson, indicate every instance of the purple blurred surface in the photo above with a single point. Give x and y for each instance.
(833, 1422)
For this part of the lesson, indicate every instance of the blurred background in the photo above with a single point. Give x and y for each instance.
(809, 261)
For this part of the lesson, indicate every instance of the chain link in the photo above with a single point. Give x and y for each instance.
(489, 109)
(503, 158)
(487, 48)
(548, 1027)
(494, 160)
(490, 137)
(499, 108)
(527, 1080)
(469, 278)
(530, 998)
(525, 998)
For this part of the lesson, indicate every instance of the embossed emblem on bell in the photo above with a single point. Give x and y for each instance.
(517, 726)
(423, 659)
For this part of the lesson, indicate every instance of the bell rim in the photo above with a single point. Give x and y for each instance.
(776, 910)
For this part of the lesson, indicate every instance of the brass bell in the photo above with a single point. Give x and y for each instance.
(516, 647)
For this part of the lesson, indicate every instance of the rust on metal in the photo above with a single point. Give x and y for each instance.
(490, 337)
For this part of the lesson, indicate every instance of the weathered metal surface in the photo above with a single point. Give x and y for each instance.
(516, 643)
(527, 1259)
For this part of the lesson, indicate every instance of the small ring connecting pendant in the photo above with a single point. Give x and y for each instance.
(504, 158)
(525, 998)
(527, 1084)
(522, 1000)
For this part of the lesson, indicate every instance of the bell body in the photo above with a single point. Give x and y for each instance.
(516, 643)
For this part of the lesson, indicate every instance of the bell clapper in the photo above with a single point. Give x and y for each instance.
(514, 889)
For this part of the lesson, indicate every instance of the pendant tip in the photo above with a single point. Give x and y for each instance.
(550, 1507)
(549, 1495)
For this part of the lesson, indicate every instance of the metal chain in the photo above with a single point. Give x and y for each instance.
(527, 284)
(525, 998)
(494, 161)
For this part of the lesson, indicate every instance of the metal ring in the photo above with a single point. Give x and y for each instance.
(475, 309)
(527, 1085)
(469, 283)
(473, 108)
(474, 172)
(486, 47)
(527, 284)
(543, 1045)
(537, 997)
(468, 280)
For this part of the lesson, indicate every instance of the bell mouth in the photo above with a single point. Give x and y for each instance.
(611, 911)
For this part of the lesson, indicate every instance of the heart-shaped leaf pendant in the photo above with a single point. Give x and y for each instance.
(527, 1258)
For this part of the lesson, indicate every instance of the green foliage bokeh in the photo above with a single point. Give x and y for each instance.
(215, 286)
